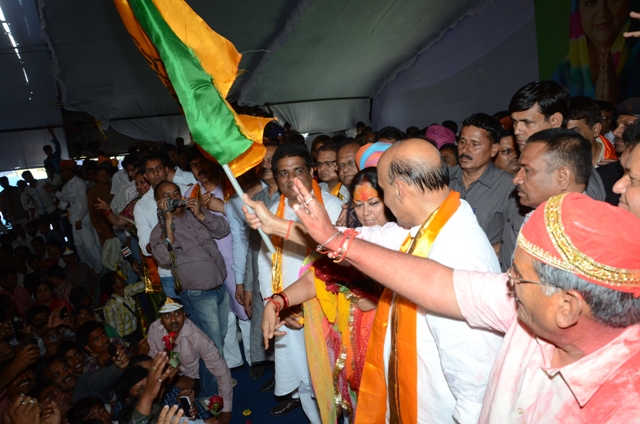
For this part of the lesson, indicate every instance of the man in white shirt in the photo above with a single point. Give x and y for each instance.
(145, 213)
(291, 370)
(126, 191)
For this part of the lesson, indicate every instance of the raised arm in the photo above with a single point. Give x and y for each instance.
(114, 219)
(272, 225)
(423, 281)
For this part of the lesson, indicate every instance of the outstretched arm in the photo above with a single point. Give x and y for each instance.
(423, 281)
(299, 292)
(114, 219)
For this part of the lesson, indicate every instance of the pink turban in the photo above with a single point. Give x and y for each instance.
(440, 135)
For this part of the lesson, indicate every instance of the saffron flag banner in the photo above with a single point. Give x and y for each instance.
(198, 67)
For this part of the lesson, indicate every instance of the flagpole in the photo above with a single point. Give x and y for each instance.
(236, 186)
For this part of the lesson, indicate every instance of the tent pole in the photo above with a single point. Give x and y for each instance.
(236, 186)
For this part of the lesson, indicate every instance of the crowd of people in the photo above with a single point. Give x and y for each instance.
(123, 291)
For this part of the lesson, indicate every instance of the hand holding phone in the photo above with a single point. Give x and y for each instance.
(185, 404)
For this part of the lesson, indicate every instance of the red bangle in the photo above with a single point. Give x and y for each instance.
(286, 237)
(107, 212)
(272, 300)
(284, 297)
(341, 253)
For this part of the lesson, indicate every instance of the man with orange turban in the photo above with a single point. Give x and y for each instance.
(568, 307)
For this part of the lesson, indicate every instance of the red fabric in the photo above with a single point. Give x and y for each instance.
(57, 303)
(609, 150)
(588, 225)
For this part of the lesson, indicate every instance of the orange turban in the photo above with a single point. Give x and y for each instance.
(68, 164)
(574, 233)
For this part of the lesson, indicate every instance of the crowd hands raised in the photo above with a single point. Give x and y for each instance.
(80, 293)
(93, 253)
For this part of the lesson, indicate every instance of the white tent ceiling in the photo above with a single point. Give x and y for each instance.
(293, 50)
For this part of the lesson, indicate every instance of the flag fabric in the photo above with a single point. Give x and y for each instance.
(198, 66)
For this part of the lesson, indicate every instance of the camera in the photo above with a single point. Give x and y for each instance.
(172, 204)
(113, 351)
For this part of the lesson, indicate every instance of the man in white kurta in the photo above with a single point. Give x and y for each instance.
(454, 360)
(291, 369)
(74, 193)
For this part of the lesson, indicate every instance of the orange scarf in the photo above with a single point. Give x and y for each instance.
(336, 191)
(402, 391)
(276, 258)
(609, 149)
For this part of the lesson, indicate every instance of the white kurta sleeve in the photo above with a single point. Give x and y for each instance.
(143, 226)
(79, 207)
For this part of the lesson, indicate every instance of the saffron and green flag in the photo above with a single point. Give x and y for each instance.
(198, 66)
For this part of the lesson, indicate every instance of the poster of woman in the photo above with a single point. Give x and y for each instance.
(601, 62)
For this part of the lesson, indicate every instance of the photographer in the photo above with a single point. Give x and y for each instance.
(195, 259)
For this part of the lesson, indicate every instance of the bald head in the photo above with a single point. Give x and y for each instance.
(164, 186)
(416, 162)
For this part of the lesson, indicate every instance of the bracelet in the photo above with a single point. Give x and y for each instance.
(286, 237)
(321, 248)
(285, 299)
(341, 253)
(107, 212)
(272, 300)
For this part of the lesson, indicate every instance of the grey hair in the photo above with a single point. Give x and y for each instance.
(421, 175)
(609, 307)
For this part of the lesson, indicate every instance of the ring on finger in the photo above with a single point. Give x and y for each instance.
(306, 202)
(153, 369)
(159, 380)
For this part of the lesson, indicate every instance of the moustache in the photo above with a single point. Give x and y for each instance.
(464, 156)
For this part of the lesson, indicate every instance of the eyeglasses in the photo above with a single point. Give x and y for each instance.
(513, 281)
(349, 164)
(328, 164)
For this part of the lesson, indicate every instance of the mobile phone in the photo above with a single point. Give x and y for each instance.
(185, 404)
(126, 253)
(112, 350)
(64, 312)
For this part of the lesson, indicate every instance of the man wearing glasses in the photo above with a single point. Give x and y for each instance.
(327, 166)
(507, 157)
